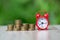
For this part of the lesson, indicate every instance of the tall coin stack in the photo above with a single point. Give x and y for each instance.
(18, 24)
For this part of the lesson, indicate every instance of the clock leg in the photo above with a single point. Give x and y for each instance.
(47, 28)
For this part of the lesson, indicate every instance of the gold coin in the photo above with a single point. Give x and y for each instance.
(17, 27)
(10, 27)
(31, 27)
(18, 22)
(23, 28)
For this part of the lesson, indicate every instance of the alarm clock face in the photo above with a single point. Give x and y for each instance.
(42, 23)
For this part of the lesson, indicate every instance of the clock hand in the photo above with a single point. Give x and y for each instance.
(45, 23)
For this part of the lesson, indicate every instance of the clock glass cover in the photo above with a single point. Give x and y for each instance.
(42, 22)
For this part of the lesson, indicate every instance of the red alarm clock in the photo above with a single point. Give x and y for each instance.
(42, 22)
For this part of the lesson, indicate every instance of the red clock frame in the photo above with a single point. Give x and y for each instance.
(38, 16)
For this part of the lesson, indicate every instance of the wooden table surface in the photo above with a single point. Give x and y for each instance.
(53, 33)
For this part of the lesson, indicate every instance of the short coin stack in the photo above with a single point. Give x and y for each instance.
(18, 26)
(10, 27)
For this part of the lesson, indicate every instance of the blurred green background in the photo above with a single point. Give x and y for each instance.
(10, 10)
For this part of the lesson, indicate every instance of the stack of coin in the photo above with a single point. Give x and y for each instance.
(31, 27)
(10, 27)
(24, 27)
(18, 24)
